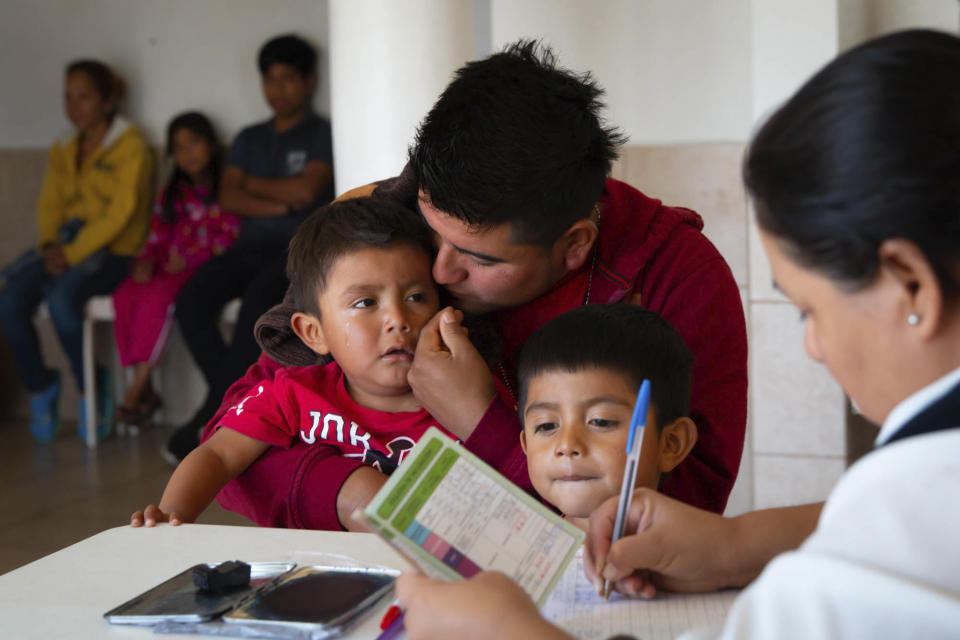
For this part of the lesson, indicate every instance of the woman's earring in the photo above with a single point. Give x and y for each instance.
(913, 319)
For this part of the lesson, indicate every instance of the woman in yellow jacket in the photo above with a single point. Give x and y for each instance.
(93, 214)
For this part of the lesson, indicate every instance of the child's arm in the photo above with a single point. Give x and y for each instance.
(200, 476)
(356, 493)
(155, 248)
(296, 191)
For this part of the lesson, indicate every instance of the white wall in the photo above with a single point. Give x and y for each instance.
(174, 55)
(863, 19)
(884, 16)
(676, 71)
(790, 41)
(389, 61)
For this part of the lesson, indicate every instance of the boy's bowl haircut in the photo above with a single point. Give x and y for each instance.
(633, 341)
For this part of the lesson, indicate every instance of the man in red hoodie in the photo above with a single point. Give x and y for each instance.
(509, 169)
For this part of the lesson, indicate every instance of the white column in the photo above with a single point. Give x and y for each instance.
(797, 409)
(389, 61)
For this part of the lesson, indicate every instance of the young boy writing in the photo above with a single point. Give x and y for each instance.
(579, 376)
(360, 273)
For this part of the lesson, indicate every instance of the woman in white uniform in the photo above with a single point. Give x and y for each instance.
(856, 185)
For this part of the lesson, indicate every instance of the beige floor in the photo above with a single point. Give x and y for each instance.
(55, 495)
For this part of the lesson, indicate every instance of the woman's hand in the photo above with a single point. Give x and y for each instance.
(53, 259)
(489, 605)
(667, 544)
(673, 546)
(142, 271)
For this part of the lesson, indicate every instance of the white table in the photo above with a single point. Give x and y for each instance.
(65, 594)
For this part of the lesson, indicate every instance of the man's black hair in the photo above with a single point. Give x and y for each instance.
(867, 150)
(516, 139)
(343, 227)
(634, 342)
(291, 50)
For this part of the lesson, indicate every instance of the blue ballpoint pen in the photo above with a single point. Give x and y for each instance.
(638, 423)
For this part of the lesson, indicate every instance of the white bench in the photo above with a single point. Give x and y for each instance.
(100, 309)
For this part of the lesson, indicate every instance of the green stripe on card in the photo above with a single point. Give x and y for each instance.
(425, 489)
(410, 476)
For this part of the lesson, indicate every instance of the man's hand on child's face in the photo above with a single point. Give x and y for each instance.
(449, 376)
(152, 515)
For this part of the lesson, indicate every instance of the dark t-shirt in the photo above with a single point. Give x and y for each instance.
(260, 151)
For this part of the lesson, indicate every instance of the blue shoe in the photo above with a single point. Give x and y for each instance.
(104, 407)
(45, 411)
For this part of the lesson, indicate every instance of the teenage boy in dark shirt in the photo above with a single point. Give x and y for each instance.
(277, 172)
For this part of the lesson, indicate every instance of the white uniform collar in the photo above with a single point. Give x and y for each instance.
(915, 403)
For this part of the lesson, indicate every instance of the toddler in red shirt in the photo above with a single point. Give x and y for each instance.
(360, 271)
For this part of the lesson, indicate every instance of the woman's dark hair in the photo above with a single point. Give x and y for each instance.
(516, 139)
(867, 150)
(199, 125)
(291, 50)
(343, 227)
(109, 85)
(636, 343)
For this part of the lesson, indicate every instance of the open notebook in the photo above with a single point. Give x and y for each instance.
(575, 606)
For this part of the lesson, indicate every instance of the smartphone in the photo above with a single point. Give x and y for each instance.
(321, 600)
(179, 600)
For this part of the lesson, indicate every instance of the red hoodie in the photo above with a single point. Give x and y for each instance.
(653, 256)
(647, 254)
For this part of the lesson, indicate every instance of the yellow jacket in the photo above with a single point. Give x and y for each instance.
(111, 193)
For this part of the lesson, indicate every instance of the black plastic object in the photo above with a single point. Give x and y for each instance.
(223, 577)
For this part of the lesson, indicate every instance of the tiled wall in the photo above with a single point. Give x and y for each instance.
(796, 444)
(795, 448)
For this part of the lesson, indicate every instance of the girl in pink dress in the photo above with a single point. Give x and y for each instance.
(187, 229)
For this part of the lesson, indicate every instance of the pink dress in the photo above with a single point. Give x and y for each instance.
(144, 311)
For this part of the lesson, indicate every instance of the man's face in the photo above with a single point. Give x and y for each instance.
(286, 91)
(485, 270)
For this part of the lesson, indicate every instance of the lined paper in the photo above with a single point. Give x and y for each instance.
(575, 606)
